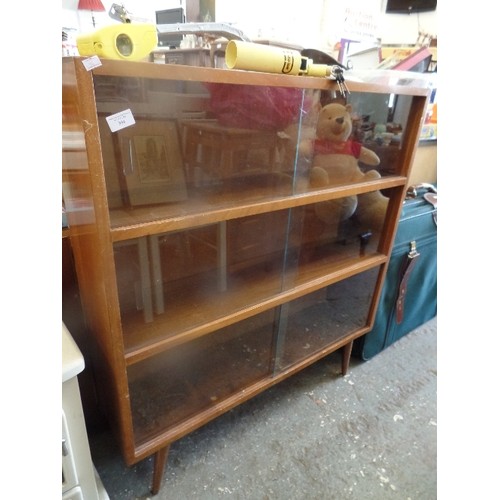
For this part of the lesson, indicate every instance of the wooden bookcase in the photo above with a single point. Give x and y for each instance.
(205, 273)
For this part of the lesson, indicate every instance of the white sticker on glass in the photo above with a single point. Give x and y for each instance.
(120, 120)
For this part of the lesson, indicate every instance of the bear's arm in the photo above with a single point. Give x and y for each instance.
(368, 156)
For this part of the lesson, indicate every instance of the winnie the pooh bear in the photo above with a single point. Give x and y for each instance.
(335, 162)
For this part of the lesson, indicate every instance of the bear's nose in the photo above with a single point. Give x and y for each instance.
(340, 120)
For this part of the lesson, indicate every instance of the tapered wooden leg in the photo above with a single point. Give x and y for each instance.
(346, 356)
(159, 469)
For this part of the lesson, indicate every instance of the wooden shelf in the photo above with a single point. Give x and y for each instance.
(207, 272)
(189, 315)
(234, 362)
(194, 212)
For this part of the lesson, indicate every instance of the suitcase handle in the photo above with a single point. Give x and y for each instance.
(405, 271)
(430, 195)
(412, 191)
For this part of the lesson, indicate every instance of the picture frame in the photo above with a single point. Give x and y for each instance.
(150, 165)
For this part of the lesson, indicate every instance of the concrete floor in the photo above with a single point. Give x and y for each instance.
(318, 435)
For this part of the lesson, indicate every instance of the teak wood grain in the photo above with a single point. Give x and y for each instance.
(127, 348)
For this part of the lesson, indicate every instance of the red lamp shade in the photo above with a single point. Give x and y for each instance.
(92, 5)
(95, 5)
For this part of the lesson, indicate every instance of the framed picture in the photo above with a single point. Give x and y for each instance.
(151, 166)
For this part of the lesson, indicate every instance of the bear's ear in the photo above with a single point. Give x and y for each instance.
(348, 108)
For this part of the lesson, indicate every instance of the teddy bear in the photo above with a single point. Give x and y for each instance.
(335, 158)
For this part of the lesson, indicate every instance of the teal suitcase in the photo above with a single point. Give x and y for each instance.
(409, 294)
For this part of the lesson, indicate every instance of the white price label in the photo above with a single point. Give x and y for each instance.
(120, 120)
(92, 62)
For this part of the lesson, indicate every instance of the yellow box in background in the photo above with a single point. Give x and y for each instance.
(127, 41)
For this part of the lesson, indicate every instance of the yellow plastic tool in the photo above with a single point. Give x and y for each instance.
(119, 41)
(270, 59)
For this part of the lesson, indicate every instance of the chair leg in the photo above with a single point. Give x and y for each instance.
(346, 356)
(159, 468)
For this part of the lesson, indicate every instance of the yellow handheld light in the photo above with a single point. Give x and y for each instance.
(119, 41)
(270, 59)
